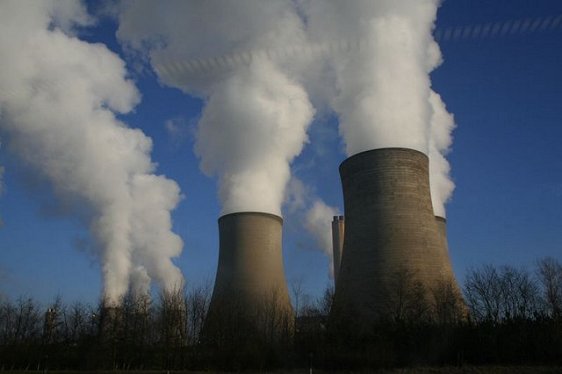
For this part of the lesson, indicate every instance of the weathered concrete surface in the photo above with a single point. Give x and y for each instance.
(390, 230)
(444, 248)
(250, 280)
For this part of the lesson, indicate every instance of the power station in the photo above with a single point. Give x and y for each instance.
(390, 231)
(250, 282)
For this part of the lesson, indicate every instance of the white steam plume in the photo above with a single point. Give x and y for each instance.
(442, 125)
(319, 224)
(309, 211)
(382, 90)
(256, 114)
(58, 102)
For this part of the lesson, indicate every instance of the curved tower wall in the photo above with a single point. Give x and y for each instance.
(338, 229)
(444, 247)
(391, 231)
(444, 258)
(250, 275)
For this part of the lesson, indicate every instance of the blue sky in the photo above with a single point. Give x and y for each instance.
(505, 93)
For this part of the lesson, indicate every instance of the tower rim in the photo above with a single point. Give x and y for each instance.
(379, 150)
(252, 213)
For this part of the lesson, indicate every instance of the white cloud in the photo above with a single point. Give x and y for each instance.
(257, 113)
(59, 102)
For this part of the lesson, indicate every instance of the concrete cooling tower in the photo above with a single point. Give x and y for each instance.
(391, 233)
(443, 245)
(250, 283)
(338, 229)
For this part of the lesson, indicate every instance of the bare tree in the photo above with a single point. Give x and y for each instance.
(549, 273)
(297, 291)
(407, 298)
(53, 324)
(198, 300)
(172, 320)
(76, 320)
(324, 303)
(7, 321)
(483, 294)
(497, 295)
(448, 305)
(27, 321)
(519, 293)
(308, 306)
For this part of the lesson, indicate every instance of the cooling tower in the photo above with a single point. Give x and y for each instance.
(250, 283)
(391, 234)
(451, 288)
(444, 246)
(338, 227)
(111, 320)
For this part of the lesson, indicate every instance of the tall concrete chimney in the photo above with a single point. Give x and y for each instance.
(338, 227)
(390, 230)
(250, 281)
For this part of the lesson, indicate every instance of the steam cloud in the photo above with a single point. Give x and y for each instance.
(60, 95)
(312, 213)
(382, 91)
(319, 225)
(255, 61)
(256, 114)
(442, 125)
(58, 102)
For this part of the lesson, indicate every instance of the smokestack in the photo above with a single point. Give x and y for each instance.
(338, 227)
(250, 281)
(390, 229)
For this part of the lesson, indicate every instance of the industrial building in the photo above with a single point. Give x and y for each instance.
(250, 284)
(390, 232)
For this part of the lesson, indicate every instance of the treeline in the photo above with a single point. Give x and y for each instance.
(140, 334)
(512, 316)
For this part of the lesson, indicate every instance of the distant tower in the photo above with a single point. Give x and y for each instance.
(443, 245)
(250, 282)
(110, 323)
(390, 231)
(50, 324)
(338, 227)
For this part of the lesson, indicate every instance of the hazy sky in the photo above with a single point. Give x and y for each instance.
(501, 78)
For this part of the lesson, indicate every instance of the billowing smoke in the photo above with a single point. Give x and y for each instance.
(58, 100)
(367, 60)
(442, 125)
(318, 223)
(256, 114)
(380, 88)
(311, 212)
